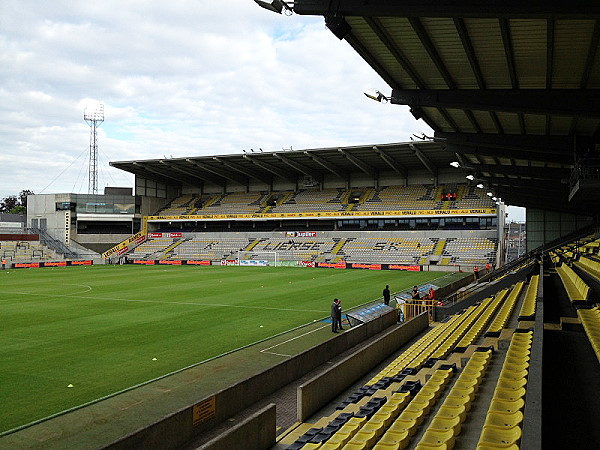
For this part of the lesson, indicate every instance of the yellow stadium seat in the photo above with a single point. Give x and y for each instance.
(500, 437)
(341, 437)
(494, 447)
(505, 406)
(463, 392)
(448, 412)
(502, 420)
(363, 437)
(398, 440)
(355, 446)
(509, 394)
(512, 374)
(310, 446)
(458, 402)
(444, 424)
(437, 439)
(416, 406)
(404, 425)
(385, 416)
(373, 427)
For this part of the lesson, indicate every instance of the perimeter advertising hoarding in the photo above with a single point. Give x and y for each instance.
(340, 265)
(136, 239)
(366, 266)
(336, 214)
(307, 263)
(229, 262)
(300, 234)
(52, 264)
(403, 267)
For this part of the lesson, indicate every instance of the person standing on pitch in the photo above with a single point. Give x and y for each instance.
(335, 308)
(386, 295)
(339, 315)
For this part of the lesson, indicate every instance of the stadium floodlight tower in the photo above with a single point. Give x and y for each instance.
(93, 119)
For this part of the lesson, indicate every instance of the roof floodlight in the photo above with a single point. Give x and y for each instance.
(480, 186)
(374, 94)
(272, 5)
(494, 198)
(470, 177)
(455, 164)
(489, 194)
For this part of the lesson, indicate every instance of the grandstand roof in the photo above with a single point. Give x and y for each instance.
(512, 87)
(263, 166)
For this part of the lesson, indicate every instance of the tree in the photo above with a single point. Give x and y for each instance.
(8, 203)
(18, 210)
(23, 197)
(15, 204)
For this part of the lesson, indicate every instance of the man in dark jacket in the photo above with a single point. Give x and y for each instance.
(386, 295)
(335, 310)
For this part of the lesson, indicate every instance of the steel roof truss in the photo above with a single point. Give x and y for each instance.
(568, 102)
(358, 163)
(424, 159)
(300, 167)
(249, 173)
(391, 162)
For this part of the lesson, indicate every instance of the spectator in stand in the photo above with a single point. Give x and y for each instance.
(415, 293)
(386, 295)
(431, 294)
(453, 196)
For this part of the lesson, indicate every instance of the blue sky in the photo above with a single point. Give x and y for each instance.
(180, 78)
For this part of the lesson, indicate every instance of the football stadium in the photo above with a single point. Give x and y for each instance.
(194, 310)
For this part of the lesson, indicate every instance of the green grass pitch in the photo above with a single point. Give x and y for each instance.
(103, 329)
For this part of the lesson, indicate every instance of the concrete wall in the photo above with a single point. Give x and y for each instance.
(257, 432)
(321, 390)
(545, 226)
(178, 428)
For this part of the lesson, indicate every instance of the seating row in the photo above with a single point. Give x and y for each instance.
(354, 249)
(590, 266)
(492, 305)
(590, 319)
(434, 345)
(506, 310)
(576, 288)
(502, 426)
(528, 307)
(446, 424)
(367, 199)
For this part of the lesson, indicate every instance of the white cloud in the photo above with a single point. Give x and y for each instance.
(176, 78)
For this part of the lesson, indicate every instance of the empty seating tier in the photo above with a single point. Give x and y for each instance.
(576, 288)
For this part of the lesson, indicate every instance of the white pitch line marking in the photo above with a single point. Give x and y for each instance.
(289, 340)
(218, 305)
